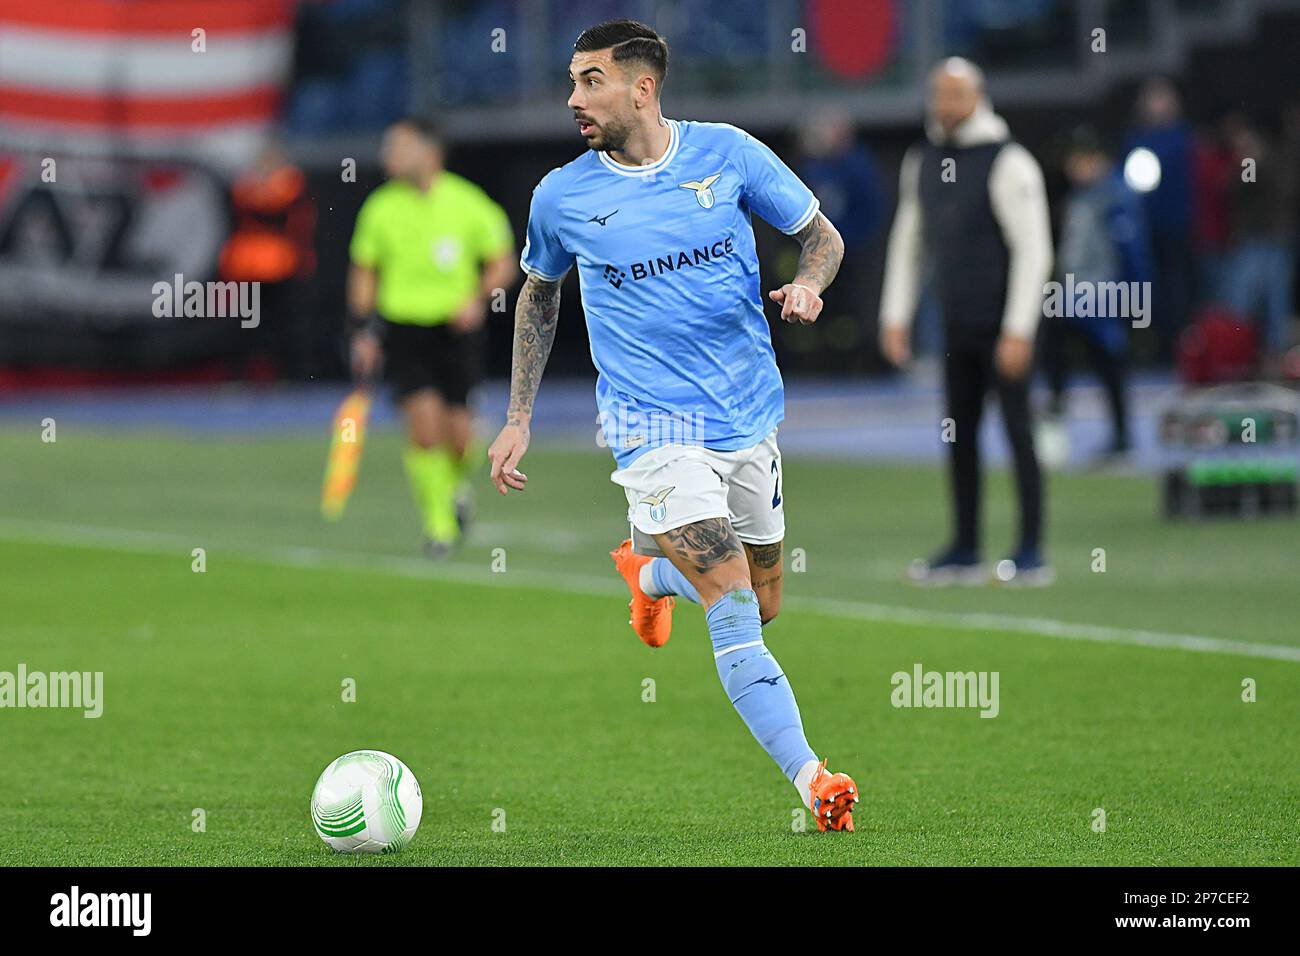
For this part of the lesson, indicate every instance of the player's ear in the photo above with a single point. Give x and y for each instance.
(647, 88)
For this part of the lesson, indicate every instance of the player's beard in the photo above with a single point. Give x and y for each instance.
(613, 136)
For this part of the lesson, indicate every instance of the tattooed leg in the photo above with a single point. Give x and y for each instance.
(765, 573)
(710, 555)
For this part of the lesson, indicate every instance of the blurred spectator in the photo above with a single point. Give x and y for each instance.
(844, 175)
(1103, 240)
(1291, 147)
(846, 179)
(1160, 128)
(1262, 221)
(272, 243)
(1212, 172)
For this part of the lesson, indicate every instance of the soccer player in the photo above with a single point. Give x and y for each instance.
(656, 216)
(429, 249)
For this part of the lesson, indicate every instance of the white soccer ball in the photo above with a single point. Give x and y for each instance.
(366, 802)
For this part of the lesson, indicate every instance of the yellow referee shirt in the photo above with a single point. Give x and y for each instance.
(427, 248)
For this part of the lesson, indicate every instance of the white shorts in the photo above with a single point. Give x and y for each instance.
(675, 485)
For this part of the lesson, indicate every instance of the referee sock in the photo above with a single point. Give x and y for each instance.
(659, 578)
(465, 464)
(432, 475)
(755, 683)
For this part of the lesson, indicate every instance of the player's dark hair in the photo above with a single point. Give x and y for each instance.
(630, 40)
(425, 127)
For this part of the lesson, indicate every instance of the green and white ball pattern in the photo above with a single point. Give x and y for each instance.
(366, 802)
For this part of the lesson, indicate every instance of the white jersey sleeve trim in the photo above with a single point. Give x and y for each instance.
(806, 218)
(538, 273)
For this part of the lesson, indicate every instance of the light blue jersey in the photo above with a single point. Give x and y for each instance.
(670, 285)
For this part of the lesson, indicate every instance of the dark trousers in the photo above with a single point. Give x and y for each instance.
(1108, 362)
(969, 374)
(1171, 292)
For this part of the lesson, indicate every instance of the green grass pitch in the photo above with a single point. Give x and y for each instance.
(517, 694)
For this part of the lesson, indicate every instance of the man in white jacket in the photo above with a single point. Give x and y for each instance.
(972, 207)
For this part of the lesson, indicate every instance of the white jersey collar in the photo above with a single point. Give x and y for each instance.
(674, 140)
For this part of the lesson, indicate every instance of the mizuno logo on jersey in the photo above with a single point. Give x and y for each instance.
(703, 194)
(602, 219)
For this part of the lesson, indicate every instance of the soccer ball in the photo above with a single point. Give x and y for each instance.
(366, 802)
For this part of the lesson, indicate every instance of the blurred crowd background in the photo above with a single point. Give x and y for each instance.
(236, 139)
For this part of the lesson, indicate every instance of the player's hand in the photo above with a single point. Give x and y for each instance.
(798, 303)
(504, 455)
(1013, 356)
(894, 345)
(367, 354)
(471, 316)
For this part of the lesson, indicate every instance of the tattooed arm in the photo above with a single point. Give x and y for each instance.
(536, 314)
(822, 251)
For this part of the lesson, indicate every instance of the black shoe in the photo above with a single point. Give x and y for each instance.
(464, 511)
(1024, 569)
(953, 566)
(436, 550)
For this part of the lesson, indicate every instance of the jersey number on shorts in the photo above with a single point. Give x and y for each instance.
(776, 492)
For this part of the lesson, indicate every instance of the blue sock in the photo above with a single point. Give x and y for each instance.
(754, 682)
(668, 580)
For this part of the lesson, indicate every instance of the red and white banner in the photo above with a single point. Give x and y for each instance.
(202, 78)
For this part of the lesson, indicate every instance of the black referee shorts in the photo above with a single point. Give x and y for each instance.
(432, 356)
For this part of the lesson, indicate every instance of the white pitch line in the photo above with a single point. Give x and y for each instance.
(1047, 627)
(157, 542)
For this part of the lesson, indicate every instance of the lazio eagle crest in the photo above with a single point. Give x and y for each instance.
(703, 194)
(658, 503)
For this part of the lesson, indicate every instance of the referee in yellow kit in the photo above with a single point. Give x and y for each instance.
(429, 250)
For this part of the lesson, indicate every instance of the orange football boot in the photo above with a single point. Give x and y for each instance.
(652, 620)
(831, 797)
